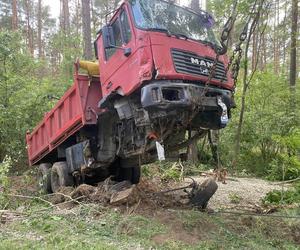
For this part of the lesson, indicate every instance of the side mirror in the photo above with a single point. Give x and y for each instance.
(127, 52)
(108, 37)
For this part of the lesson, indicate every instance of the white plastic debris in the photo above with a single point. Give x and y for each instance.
(160, 151)
(224, 116)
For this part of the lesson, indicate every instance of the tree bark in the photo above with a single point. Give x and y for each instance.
(275, 39)
(195, 5)
(192, 151)
(65, 16)
(86, 29)
(40, 52)
(246, 83)
(285, 31)
(77, 21)
(29, 29)
(15, 15)
(254, 49)
(293, 63)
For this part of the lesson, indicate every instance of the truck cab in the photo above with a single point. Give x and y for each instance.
(158, 41)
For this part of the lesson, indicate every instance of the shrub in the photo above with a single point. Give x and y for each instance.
(283, 197)
(5, 166)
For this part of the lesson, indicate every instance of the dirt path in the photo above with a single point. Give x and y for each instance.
(239, 192)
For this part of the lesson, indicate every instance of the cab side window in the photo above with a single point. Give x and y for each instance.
(118, 39)
(122, 33)
(125, 27)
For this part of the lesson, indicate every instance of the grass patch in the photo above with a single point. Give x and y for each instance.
(183, 229)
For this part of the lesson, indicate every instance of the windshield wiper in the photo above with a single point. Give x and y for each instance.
(180, 35)
(177, 35)
(160, 30)
(212, 45)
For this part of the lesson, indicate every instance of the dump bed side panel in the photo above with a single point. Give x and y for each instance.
(78, 107)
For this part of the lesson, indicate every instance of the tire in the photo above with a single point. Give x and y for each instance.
(129, 170)
(44, 178)
(136, 175)
(60, 176)
(202, 194)
(132, 174)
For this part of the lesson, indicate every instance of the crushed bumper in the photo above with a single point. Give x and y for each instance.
(168, 95)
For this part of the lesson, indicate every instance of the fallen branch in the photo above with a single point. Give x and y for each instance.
(75, 201)
(286, 182)
(31, 198)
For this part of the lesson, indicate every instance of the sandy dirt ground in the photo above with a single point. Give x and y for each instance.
(239, 192)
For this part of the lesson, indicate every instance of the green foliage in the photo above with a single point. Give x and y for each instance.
(24, 95)
(167, 171)
(173, 171)
(286, 163)
(270, 138)
(5, 166)
(283, 197)
(234, 198)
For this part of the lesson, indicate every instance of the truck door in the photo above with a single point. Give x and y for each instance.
(114, 66)
(120, 72)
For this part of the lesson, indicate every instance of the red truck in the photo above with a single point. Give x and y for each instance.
(159, 79)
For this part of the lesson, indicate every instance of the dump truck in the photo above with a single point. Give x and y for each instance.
(160, 77)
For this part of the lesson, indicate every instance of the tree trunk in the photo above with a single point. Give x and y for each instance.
(40, 52)
(293, 64)
(254, 49)
(192, 151)
(203, 4)
(86, 29)
(275, 39)
(195, 5)
(246, 83)
(65, 16)
(14, 15)
(263, 54)
(29, 29)
(285, 47)
(77, 21)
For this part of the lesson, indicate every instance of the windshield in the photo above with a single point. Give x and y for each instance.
(164, 16)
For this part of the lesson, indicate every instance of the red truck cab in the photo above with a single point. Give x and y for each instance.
(163, 42)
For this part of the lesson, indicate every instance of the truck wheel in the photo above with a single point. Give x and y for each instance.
(129, 170)
(60, 176)
(136, 174)
(44, 178)
(132, 174)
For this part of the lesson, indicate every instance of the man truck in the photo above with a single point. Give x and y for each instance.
(161, 76)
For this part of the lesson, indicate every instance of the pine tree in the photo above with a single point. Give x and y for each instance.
(86, 29)
(14, 15)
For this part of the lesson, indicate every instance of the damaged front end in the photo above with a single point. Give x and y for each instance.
(161, 114)
(208, 107)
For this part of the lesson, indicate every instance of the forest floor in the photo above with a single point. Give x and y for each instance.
(235, 219)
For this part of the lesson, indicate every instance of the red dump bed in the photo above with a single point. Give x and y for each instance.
(77, 108)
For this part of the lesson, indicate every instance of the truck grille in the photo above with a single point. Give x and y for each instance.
(191, 63)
